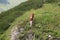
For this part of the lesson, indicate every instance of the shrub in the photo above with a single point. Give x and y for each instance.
(52, 1)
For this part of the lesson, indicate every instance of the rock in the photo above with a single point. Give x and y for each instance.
(14, 33)
(21, 30)
(49, 36)
(31, 36)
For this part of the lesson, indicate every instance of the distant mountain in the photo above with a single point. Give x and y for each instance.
(7, 4)
(4, 1)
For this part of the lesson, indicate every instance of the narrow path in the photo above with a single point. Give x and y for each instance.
(14, 33)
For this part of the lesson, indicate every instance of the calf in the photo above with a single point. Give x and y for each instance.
(31, 19)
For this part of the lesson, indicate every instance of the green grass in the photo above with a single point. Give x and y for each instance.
(46, 21)
(6, 18)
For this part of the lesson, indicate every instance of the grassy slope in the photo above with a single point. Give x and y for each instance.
(6, 18)
(46, 21)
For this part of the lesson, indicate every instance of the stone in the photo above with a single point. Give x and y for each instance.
(21, 29)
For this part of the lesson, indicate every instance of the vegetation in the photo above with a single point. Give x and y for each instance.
(6, 18)
(46, 21)
(52, 1)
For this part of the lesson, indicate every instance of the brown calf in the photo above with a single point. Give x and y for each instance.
(31, 19)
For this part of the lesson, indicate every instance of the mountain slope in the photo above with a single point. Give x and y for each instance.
(46, 21)
(6, 18)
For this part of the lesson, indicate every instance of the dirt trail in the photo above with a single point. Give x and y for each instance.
(14, 33)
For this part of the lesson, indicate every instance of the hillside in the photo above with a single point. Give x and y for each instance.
(46, 21)
(6, 18)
